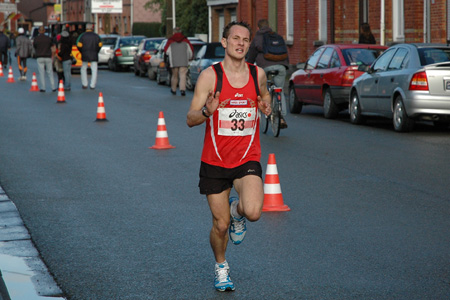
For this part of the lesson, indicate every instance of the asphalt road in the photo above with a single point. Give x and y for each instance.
(113, 219)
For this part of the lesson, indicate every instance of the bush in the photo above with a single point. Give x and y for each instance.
(148, 29)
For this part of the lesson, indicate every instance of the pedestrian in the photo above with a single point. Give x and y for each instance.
(179, 51)
(44, 50)
(65, 53)
(256, 54)
(57, 60)
(5, 45)
(231, 151)
(24, 49)
(366, 36)
(89, 44)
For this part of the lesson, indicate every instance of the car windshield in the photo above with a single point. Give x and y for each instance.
(360, 56)
(109, 40)
(152, 44)
(433, 55)
(131, 41)
(216, 51)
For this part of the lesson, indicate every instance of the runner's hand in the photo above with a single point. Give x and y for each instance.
(212, 102)
(264, 107)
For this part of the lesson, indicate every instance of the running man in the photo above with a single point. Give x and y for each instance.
(227, 96)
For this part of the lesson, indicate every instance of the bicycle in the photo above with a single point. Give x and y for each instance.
(275, 117)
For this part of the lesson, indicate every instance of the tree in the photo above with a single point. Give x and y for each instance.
(191, 15)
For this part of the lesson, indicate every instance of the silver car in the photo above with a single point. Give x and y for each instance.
(108, 41)
(408, 82)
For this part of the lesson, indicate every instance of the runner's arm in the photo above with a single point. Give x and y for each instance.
(203, 96)
(264, 101)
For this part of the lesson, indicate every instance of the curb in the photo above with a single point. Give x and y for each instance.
(23, 275)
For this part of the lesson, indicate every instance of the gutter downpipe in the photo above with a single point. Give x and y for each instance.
(382, 23)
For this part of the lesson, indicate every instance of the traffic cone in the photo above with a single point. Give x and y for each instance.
(10, 76)
(34, 85)
(101, 114)
(273, 199)
(61, 96)
(162, 140)
(1, 70)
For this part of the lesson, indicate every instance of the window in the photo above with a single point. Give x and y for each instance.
(383, 61)
(325, 59)
(397, 60)
(290, 21)
(335, 62)
(323, 20)
(312, 61)
(398, 21)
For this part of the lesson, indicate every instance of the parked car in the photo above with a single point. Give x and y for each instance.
(108, 41)
(123, 52)
(207, 55)
(327, 77)
(408, 82)
(146, 49)
(157, 68)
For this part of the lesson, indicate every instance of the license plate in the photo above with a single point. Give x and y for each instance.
(447, 85)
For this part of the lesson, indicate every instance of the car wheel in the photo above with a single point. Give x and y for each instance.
(189, 84)
(356, 116)
(158, 78)
(151, 74)
(141, 71)
(136, 71)
(401, 121)
(330, 110)
(112, 65)
(295, 106)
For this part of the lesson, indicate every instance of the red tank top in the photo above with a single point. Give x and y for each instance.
(232, 132)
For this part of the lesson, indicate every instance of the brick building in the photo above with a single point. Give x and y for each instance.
(306, 24)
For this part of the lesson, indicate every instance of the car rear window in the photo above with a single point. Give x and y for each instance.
(433, 55)
(215, 52)
(360, 56)
(152, 45)
(109, 40)
(132, 41)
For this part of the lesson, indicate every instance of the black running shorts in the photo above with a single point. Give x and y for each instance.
(214, 179)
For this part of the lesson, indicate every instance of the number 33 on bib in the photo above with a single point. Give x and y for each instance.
(235, 121)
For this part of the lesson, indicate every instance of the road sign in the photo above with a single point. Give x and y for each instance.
(107, 6)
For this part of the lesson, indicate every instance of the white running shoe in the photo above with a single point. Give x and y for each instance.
(222, 281)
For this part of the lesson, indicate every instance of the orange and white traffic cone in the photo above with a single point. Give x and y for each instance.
(34, 84)
(10, 75)
(273, 199)
(1, 70)
(101, 114)
(61, 95)
(162, 139)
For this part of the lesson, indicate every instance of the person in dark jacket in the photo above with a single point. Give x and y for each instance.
(366, 36)
(64, 54)
(23, 52)
(255, 54)
(5, 44)
(44, 50)
(89, 44)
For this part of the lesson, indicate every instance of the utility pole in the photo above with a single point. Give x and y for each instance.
(169, 18)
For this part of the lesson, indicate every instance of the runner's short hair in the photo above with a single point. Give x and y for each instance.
(226, 30)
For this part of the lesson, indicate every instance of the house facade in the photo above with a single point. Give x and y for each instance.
(307, 24)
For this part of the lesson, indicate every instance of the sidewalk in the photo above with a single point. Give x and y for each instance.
(23, 275)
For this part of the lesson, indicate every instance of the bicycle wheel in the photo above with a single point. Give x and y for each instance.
(275, 117)
(264, 123)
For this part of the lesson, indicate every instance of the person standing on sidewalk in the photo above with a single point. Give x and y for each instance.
(44, 50)
(256, 54)
(179, 51)
(23, 52)
(5, 45)
(231, 151)
(89, 44)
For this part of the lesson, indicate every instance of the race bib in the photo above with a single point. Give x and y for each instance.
(237, 121)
